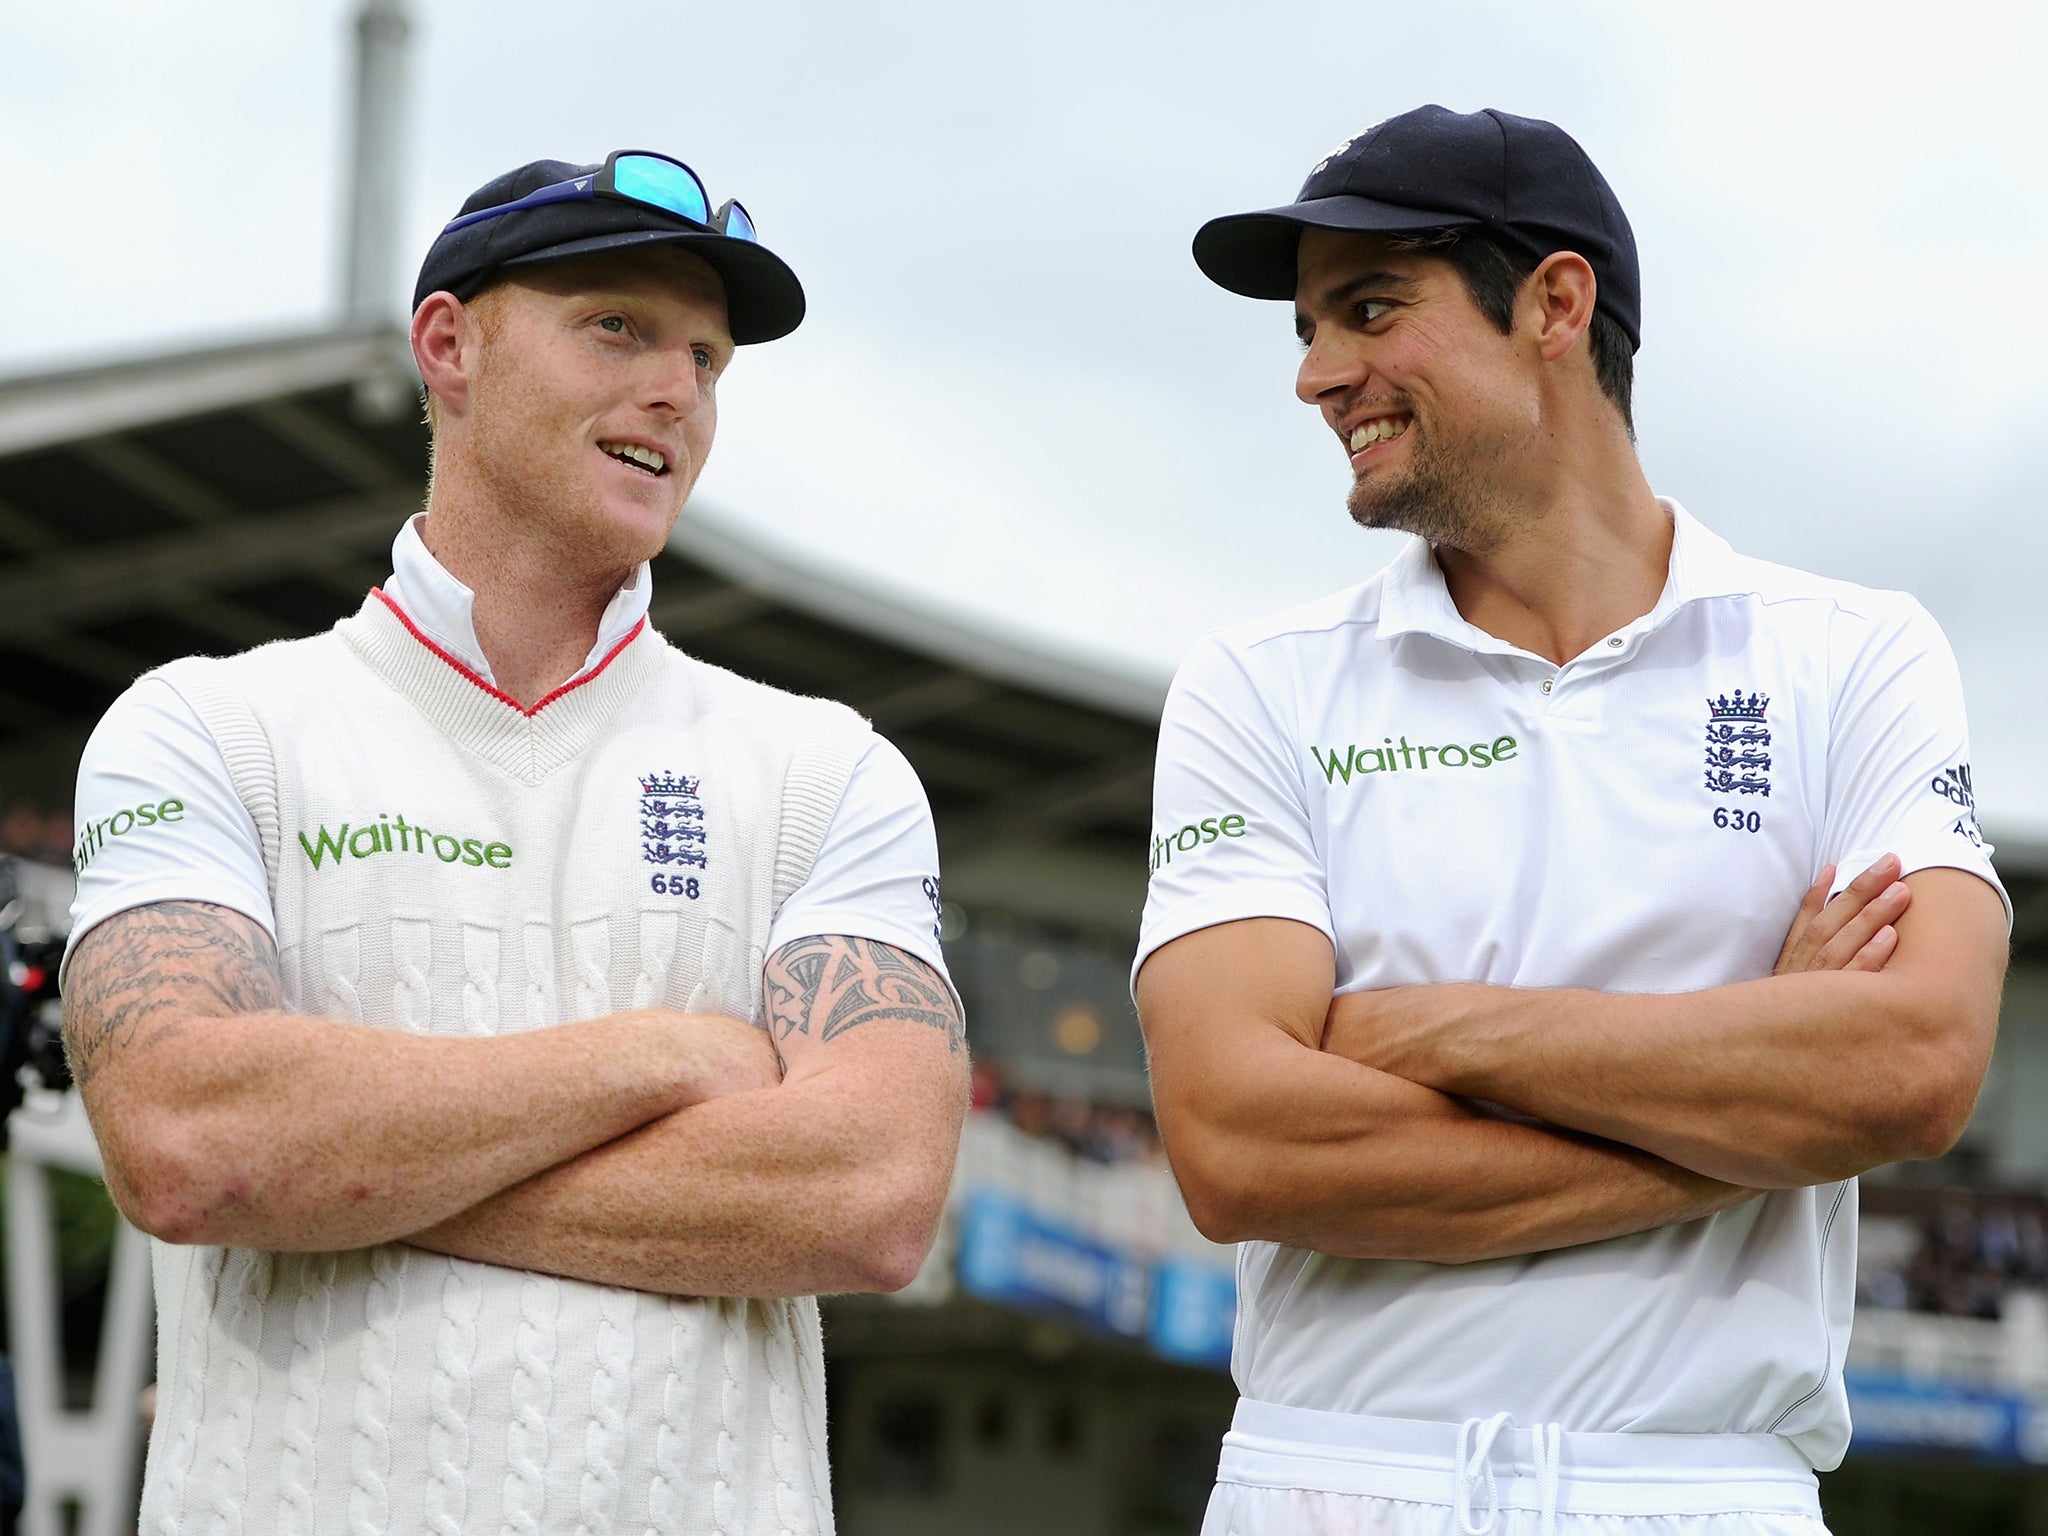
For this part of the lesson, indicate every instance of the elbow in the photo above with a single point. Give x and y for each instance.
(1210, 1188)
(161, 1203)
(1245, 1208)
(1223, 1207)
(891, 1267)
(1927, 1100)
(1216, 1214)
(887, 1244)
(1932, 1117)
(170, 1189)
(162, 1173)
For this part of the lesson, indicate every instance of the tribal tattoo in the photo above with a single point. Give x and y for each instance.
(837, 983)
(139, 974)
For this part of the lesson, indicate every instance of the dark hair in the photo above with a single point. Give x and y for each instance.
(1494, 273)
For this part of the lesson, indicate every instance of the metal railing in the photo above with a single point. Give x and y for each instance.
(88, 1457)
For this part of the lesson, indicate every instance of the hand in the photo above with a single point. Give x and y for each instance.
(1853, 932)
(720, 1055)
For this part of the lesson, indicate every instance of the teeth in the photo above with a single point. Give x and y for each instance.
(632, 453)
(1379, 430)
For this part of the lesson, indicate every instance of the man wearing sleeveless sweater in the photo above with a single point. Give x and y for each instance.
(507, 1023)
(1465, 971)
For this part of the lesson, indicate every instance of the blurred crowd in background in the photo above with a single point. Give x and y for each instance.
(39, 843)
(29, 832)
(1971, 1253)
(1101, 1133)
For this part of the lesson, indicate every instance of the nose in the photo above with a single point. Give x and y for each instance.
(1328, 368)
(674, 381)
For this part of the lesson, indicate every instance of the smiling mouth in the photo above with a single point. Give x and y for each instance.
(1381, 429)
(647, 460)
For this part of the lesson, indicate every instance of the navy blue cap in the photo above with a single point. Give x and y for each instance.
(763, 299)
(1519, 178)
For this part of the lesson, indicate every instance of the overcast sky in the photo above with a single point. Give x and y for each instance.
(1016, 397)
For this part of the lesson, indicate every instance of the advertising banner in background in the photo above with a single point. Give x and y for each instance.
(1892, 1413)
(1011, 1254)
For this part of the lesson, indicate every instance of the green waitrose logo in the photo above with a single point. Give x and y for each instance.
(95, 835)
(1400, 757)
(1196, 834)
(394, 834)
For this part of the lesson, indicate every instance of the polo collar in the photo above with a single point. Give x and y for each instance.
(439, 608)
(1415, 600)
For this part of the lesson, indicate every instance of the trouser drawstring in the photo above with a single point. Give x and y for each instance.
(1548, 1454)
(1475, 1465)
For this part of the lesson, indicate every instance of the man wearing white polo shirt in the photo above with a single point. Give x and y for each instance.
(1495, 1000)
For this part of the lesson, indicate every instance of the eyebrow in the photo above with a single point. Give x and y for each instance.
(1337, 295)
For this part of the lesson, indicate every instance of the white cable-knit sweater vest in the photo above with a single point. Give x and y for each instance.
(445, 863)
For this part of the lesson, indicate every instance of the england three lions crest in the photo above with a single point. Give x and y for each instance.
(672, 820)
(1739, 744)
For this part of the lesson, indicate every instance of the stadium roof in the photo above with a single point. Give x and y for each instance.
(211, 499)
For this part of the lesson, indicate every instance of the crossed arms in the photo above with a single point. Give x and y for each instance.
(1349, 1125)
(686, 1154)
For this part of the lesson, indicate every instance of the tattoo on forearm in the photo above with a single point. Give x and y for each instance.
(834, 983)
(138, 975)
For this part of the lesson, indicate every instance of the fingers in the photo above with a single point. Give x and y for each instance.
(1873, 955)
(1835, 937)
(1810, 907)
(1874, 879)
(1882, 910)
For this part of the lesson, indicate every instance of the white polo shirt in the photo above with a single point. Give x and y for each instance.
(1645, 818)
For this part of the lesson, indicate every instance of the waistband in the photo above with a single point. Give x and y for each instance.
(1535, 1467)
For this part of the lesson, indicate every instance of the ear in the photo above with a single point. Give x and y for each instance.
(444, 347)
(1558, 297)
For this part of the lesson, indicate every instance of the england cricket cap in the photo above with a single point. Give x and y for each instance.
(1522, 180)
(763, 298)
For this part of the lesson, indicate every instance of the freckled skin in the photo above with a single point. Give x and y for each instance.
(555, 380)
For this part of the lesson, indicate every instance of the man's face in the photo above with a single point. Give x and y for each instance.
(1431, 402)
(593, 401)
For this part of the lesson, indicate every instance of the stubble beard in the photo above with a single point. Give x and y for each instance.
(1441, 498)
(543, 498)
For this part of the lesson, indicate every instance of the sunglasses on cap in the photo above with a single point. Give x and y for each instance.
(633, 176)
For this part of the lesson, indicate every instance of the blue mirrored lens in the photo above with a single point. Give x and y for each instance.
(661, 184)
(738, 225)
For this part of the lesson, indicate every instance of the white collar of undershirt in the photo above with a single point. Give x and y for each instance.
(440, 607)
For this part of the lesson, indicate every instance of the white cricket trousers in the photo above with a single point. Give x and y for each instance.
(1301, 1472)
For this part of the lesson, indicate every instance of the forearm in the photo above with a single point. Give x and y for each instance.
(1304, 1148)
(800, 1189)
(1780, 1082)
(280, 1131)
(223, 1119)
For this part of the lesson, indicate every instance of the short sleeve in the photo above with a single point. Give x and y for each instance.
(158, 818)
(1232, 836)
(1899, 777)
(877, 872)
